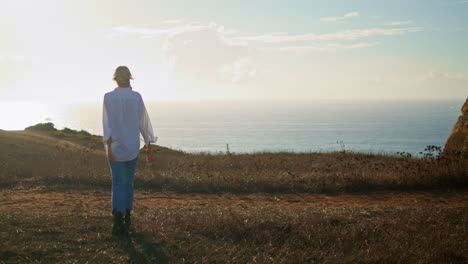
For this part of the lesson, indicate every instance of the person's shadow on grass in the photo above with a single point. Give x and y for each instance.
(140, 249)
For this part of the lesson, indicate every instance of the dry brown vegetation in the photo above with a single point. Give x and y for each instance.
(31, 158)
(74, 227)
(237, 208)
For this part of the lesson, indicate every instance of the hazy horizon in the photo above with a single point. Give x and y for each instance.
(250, 126)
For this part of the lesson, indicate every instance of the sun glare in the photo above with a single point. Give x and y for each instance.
(20, 114)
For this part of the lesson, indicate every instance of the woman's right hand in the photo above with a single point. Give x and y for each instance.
(110, 156)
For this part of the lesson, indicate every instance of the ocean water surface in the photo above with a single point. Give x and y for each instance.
(248, 126)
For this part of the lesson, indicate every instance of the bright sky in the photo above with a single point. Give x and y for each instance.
(64, 51)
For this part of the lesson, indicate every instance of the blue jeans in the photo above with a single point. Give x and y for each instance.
(123, 174)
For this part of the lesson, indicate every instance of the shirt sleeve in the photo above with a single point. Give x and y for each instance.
(146, 129)
(106, 124)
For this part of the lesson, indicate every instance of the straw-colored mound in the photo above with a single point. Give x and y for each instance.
(58, 160)
(457, 143)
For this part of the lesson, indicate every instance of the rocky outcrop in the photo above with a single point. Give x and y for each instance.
(457, 142)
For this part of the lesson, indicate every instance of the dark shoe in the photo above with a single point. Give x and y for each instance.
(127, 219)
(118, 228)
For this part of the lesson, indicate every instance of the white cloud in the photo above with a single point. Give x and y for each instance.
(206, 53)
(14, 58)
(198, 51)
(353, 34)
(172, 21)
(439, 75)
(240, 70)
(12, 67)
(399, 23)
(352, 14)
(324, 47)
(212, 52)
(125, 30)
(232, 37)
(335, 19)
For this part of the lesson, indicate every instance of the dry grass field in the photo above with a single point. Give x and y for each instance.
(229, 208)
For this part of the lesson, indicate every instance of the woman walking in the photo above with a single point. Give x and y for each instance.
(124, 118)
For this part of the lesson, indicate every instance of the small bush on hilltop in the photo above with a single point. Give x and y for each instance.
(42, 127)
(81, 136)
(67, 130)
(70, 131)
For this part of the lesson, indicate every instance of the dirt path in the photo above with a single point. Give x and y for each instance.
(42, 226)
(99, 202)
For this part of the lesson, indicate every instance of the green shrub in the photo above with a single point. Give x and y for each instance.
(42, 127)
(67, 130)
(84, 133)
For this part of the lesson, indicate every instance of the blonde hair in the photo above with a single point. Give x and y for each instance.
(122, 76)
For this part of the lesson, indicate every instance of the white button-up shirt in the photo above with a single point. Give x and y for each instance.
(124, 117)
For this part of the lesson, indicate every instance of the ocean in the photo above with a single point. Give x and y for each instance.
(248, 126)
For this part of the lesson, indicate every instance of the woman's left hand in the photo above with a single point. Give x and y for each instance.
(110, 156)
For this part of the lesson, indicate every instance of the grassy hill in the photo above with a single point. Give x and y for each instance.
(228, 208)
(43, 155)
